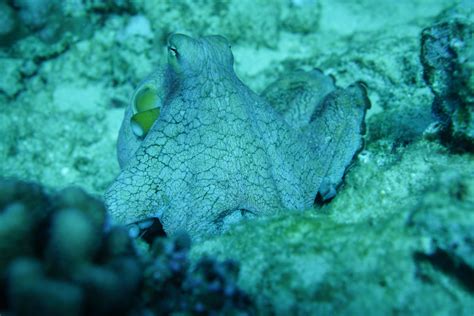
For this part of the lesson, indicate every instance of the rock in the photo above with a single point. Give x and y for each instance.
(444, 222)
(447, 54)
(8, 23)
(10, 80)
(308, 264)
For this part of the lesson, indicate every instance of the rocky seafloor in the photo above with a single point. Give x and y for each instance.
(398, 238)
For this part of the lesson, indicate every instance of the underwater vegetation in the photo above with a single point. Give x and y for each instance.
(58, 257)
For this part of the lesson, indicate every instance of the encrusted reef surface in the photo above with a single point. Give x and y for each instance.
(396, 239)
(447, 54)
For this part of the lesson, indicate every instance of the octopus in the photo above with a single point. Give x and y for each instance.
(200, 151)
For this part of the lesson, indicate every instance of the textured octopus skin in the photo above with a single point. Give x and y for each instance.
(219, 153)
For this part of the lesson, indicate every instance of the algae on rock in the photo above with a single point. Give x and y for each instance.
(354, 261)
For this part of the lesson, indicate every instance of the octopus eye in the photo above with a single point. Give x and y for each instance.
(143, 121)
(146, 110)
(145, 99)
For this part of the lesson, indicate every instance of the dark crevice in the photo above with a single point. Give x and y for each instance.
(450, 266)
(153, 231)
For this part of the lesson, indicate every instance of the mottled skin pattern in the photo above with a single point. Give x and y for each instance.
(332, 117)
(297, 95)
(218, 152)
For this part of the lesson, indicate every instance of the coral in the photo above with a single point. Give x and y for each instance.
(79, 95)
(54, 23)
(210, 288)
(447, 50)
(219, 153)
(58, 257)
(301, 16)
(10, 81)
(231, 18)
(39, 17)
(24, 208)
(244, 26)
(8, 23)
(35, 13)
